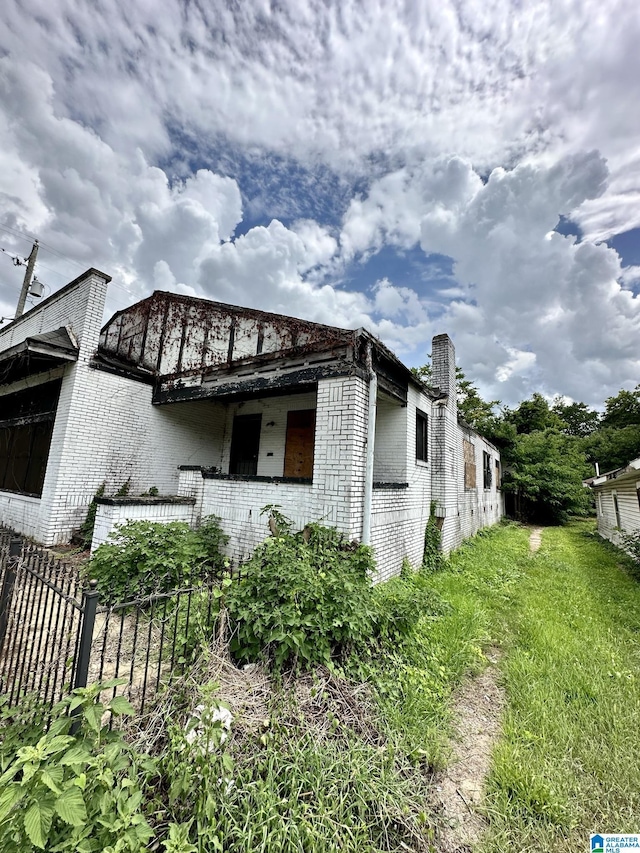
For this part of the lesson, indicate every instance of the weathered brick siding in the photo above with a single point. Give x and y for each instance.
(107, 431)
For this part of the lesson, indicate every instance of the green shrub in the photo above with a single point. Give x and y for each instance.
(67, 790)
(147, 557)
(399, 603)
(631, 544)
(213, 539)
(301, 598)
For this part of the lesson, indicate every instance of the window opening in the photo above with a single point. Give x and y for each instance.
(422, 436)
(616, 509)
(26, 428)
(486, 469)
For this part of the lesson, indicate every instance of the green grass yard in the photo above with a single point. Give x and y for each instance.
(567, 620)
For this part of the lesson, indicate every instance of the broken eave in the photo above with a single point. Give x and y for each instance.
(37, 354)
(627, 472)
(283, 377)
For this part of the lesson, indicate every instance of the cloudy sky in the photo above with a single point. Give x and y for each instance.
(468, 166)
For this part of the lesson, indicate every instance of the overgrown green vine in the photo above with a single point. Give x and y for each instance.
(432, 555)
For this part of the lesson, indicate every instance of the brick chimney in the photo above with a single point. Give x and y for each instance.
(443, 369)
(447, 448)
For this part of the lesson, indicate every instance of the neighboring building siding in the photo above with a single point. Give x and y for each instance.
(628, 506)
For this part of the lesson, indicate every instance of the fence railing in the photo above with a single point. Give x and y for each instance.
(56, 635)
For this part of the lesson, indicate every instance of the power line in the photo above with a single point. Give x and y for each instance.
(47, 247)
(16, 260)
(24, 236)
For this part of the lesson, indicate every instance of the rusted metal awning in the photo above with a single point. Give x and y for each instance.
(36, 354)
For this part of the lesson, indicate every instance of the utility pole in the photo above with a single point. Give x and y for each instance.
(26, 284)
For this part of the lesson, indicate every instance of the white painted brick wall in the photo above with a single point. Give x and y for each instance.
(399, 516)
(238, 504)
(390, 453)
(79, 306)
(110, 516)
(20, 513)
(107, 430)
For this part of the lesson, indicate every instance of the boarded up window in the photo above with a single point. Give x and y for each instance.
(469, 454)
(498, 477)
(245, 445)
(298, 454)
(26, 427)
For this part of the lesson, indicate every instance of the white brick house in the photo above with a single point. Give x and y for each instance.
(231, 409)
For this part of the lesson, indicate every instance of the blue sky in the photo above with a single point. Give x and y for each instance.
(413, 168)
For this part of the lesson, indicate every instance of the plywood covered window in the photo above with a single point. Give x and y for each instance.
(26, 427)
(469, 455)
(245, 445)
(298, 454)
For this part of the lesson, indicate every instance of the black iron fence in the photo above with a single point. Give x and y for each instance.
(56, 635)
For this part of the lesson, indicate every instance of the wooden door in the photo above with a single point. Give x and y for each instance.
(298, 454)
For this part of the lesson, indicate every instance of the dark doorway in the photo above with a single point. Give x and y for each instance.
(245, 445)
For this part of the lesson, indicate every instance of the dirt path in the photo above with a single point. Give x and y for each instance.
(478, 711)
(535, 540)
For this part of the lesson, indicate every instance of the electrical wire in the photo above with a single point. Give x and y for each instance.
(16, 260)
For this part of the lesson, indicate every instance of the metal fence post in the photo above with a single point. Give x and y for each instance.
(89, 607)
(6, 594)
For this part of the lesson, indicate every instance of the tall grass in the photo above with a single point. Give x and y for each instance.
(415, 681)
(567, 620)
(568, 761)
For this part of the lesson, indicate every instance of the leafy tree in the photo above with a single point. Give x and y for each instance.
(546, 471)
(534, 415)
(612, 448)
(579, 419)
(623, 409)
(472, 408)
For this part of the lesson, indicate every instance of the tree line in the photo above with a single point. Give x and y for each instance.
(549, 448)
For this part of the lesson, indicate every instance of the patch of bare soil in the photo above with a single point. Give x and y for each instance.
(535, 540)
(478, 708)
(70, 555)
